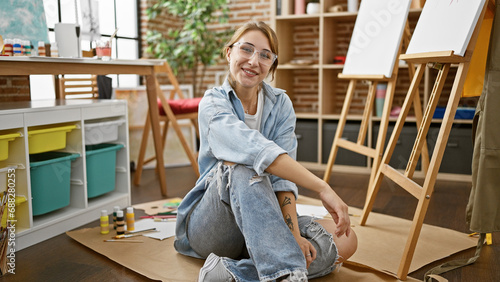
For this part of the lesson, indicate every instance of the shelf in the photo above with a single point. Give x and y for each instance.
(351, 16)
(288, 66)
(365, 170)
(412, 119)
(299, 18)
(21, 116)
(307, 115)
(455, 121)
(336, 117)
(45, 220)
(332, 15)
(333, 66)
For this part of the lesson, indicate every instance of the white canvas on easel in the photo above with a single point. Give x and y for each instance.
(376, 37)
(440, 29)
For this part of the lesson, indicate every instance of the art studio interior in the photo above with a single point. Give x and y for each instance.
(108, 136)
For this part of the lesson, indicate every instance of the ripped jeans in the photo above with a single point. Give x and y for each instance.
(239, 219)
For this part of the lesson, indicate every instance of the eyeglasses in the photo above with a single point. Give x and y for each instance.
(247, 51)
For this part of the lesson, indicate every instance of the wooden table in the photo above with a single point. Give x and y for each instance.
(55, 66)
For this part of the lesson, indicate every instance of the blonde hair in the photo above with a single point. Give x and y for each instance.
(262, 27)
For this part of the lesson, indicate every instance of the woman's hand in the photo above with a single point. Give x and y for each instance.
(307, 249)
(337, 209)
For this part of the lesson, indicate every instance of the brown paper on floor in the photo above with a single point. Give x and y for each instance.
(377, 250)
(158, 260)
(382, 240)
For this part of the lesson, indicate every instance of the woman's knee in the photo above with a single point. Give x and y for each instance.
(346, 245)
(322, 241)
(250, 181)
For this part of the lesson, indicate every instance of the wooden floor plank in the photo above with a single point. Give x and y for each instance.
(63, 259)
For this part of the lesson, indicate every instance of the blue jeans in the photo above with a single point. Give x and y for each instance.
(239, 219)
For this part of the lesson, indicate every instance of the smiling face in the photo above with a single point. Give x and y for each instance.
(248, 73)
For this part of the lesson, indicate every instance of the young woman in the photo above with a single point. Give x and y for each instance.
(241, 215)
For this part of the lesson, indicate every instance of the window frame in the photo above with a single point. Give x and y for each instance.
(116, 40)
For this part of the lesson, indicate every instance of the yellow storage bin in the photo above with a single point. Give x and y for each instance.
(48, 139)
(5, 211)
(4, 144)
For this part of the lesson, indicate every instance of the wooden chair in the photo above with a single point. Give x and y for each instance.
(173, 108)
(77, 87)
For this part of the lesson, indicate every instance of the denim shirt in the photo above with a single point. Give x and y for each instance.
(225, 137)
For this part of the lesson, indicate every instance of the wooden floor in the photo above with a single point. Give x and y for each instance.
(63, 259)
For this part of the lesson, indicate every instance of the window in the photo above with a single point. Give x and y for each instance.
(113, 14)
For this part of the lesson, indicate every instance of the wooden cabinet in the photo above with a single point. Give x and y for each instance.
(21, 117)
(311, 50)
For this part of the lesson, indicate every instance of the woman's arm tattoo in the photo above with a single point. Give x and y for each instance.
(286, 201)
(289, 222)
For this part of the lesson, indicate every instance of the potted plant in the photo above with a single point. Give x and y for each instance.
(194, 43)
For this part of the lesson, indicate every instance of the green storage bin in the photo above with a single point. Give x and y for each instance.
(50, 180)
(101, 168)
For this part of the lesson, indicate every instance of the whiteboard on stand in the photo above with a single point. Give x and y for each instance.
(376, 37)
(445, 25)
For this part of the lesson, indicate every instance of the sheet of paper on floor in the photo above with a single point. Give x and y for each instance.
(315, 211)
(166, 228)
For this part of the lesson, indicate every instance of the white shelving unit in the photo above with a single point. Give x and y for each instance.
(19, 117)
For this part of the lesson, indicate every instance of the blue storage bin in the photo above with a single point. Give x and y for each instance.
(50, 180)
(461, 113)
(465, 113)
(101, 168)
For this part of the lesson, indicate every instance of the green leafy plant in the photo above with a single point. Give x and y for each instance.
(194, 43)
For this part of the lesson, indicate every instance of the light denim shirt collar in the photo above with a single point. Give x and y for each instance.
(269, 92)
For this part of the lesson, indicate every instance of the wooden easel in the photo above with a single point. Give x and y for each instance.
(359, 146)
(442, 61)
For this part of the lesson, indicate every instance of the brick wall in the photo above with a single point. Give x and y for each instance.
(14, 88)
